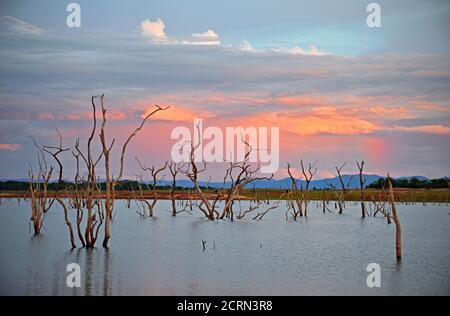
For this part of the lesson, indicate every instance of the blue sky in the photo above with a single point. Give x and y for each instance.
(336, 26)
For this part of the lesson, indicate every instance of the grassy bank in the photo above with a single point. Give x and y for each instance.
(401, 195)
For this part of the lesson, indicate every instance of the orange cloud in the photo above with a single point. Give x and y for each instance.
(309, 114)
(324, 120)
(10, 147)
(429, 106)
(302, 100)
(330, 121)
(392, 113)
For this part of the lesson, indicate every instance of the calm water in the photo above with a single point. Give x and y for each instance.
(324, 254)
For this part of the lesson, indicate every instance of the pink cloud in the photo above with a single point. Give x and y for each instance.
(113, 115)
(176, 114)
(10, 147)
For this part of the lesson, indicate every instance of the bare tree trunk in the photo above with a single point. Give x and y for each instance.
(343, 193)
(174, 169)
(68, 222)
(361, 187)
(312, 170)
(398, 229)
(111, 183)
(154, 176)
(295, 196)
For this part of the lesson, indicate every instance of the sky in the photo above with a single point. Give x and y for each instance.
(338, 90)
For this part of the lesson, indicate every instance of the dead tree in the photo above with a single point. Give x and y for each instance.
(294, 197)
(260, 216)
(67, 220)
(398, 230)
(381, 209)
(38, 188)
(54, 151)
(312, 170)
(111, 182)
(76, 200)
(361, 188)
(88, 188)
(45, 202)
(141, 202)
(250, 209)
(381, 205)
(240, 174)
(192, 173)
(344, 187)
(174, 169)
(41, 202)
(153, 184)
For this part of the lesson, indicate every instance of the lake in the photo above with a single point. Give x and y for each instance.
(325, 254)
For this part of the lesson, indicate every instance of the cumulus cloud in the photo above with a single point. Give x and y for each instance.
(209, 37)
(19, 26)
(246, 46)
(296, 50)
(208, 34)
(155, 30)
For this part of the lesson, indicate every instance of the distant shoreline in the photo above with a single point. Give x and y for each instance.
(402, 195)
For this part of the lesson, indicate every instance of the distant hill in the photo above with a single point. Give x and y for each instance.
(351, 180)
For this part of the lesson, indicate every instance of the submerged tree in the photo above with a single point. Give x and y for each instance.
(192, 173)
(308, 175)
(87, 188)
(398, 229)
(361, 188)
(240, 174)
(111, 182)
(85, 193)
(393, 215)
(41, 201)
(38, 190)
(174, 169)
(154, 172)
(341, 194)
(295, 197)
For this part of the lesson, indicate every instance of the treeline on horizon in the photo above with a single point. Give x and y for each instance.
(412, 183)
(129, 185)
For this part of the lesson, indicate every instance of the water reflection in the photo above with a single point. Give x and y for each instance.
(324, 254)
(107, 275)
